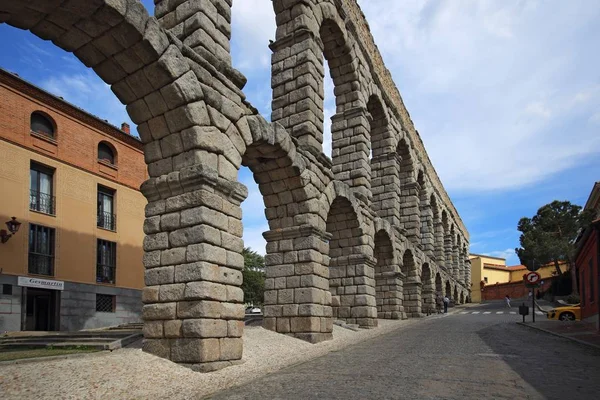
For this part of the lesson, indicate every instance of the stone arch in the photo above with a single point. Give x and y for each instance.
(462, 298)
(427, 294)
(453, 262)
(149, 73)
(388, 286)
(448, 289)
(351, 268)
(411, 285)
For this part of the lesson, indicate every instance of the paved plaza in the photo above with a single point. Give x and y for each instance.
(477, 353)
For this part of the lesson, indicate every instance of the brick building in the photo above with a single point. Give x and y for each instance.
(72, 180)
(587, 261)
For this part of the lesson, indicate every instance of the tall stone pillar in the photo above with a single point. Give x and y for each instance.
(193, 304)
(389, 292)
(412, 297)
(297, 83)
(455, 258)
(410, 217)
(297, 299)
(385, 186)
(448, 253)
(427, 234)
(439, 252)
(350, 134)
(352, 285)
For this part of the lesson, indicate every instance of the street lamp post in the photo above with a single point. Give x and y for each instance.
(13, 227)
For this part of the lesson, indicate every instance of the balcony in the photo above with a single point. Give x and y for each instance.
(41, 202)
(107, 221)
(41, 264)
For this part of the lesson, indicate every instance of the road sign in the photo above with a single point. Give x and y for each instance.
(532, 277)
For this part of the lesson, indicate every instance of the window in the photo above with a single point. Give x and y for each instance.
(106, 153)
(485, 279)
(41, 250)
(41, 188)
(106, 217)
(106, 263)
(105, 303)
(7, 289)
(42, 124)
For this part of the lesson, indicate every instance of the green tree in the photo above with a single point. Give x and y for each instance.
(549, 237)
(254, 277)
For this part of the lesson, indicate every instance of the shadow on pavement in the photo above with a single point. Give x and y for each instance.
(557, 368)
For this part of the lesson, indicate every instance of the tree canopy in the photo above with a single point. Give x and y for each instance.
(549, 237)
(254, 277)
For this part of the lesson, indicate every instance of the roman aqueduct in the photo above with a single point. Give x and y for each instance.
(370, 233)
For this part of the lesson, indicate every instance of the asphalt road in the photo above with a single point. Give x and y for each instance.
(480, 354)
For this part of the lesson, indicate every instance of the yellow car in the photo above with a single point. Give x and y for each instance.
(566, 313)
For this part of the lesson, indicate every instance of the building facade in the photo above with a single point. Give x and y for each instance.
(72, 181)
(487, 272)
(587, 261)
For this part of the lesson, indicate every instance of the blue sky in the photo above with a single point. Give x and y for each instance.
(506, 96)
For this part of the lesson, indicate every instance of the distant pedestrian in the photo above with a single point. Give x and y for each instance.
(446, 302)
(507, 300)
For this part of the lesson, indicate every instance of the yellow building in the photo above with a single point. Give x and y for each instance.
(72, 180)
(487, 270)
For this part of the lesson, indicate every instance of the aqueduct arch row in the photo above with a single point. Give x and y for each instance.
(369, 234)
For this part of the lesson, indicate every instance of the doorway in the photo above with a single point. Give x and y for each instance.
(41, 310)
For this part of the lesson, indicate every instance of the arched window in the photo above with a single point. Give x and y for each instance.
(106, 152)
(41, 123)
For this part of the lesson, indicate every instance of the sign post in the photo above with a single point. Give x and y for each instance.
(532, 280)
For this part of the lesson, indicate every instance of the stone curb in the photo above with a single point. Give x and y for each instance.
(583, 342)
(52, 358)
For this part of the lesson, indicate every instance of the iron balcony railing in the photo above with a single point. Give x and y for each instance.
(41, 202)
(107, 221)
(105, 273)
(41, 264)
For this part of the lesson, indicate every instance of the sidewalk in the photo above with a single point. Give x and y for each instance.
(581, 332)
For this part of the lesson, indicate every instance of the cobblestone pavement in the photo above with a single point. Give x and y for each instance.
(456, 356)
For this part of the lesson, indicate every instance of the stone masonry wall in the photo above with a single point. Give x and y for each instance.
(357, 237)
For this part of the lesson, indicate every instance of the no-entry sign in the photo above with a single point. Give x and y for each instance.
(532, 277)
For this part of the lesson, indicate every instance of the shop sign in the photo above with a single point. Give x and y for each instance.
(41, 283)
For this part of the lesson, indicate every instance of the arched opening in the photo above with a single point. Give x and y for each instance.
(428, 295)
(453, 262)
(458, 266)
(387, 285)
(107, 153)
(455, 298)
(349, 268)
(438, 231)
(378, 127)
(448, 290)
(43, 124)
(462, 298)
(439, 290)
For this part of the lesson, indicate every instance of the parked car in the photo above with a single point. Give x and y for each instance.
(253, 310)
(567, 313)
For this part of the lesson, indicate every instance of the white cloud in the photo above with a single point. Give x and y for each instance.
(495, 88)
(253, 238)
(90, 93)
(509, 255)
(253, 25)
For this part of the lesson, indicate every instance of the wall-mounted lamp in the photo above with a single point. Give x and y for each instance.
(13, 227)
